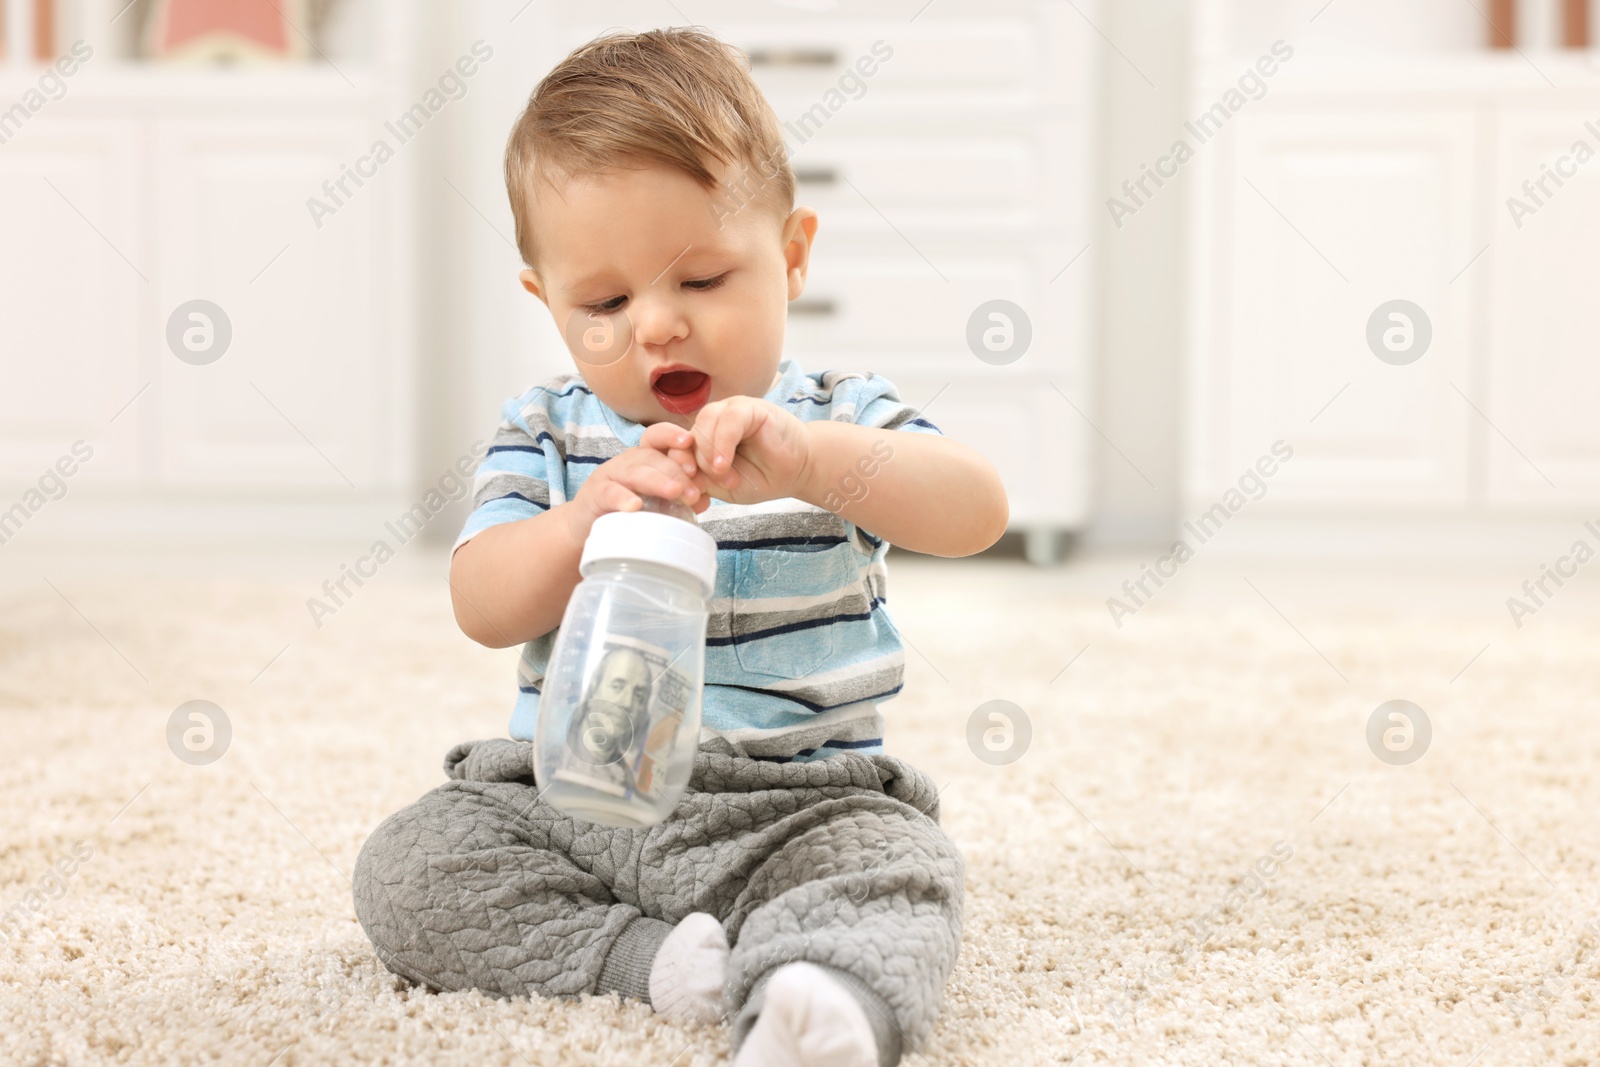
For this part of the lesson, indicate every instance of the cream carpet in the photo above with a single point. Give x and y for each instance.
(1429, 914)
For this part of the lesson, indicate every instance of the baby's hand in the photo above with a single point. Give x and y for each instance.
(644, 470)
(750, 449)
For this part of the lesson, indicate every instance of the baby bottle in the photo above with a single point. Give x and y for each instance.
(619, 717)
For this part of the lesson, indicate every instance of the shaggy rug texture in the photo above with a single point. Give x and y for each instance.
(1198, 859)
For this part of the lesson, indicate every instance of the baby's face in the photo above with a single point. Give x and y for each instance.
(669, 296)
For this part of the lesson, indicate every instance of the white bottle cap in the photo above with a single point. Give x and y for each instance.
(653, 538)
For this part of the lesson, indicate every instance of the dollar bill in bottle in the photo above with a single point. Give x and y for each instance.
(625, 727)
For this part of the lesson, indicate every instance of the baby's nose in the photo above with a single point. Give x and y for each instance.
(657, 321)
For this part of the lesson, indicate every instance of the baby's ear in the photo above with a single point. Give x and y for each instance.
(534, 284)
(799, 232)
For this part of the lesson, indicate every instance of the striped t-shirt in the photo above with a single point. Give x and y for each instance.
(800, 650)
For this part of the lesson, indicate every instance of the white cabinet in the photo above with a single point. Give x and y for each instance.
(1355, 186)
(146, 187)
(1334, 213)
(69, 300)
(1542, 374)
(291, 402)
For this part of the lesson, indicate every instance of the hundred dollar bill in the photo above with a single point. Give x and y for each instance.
(625, 727)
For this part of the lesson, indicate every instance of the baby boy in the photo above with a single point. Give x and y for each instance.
(802, 887)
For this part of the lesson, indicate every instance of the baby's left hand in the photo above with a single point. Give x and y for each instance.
(751, 450)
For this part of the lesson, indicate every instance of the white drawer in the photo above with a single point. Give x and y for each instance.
(841, 61)
(995, 177)
(983, 183)
(896, 305)
(965, 54)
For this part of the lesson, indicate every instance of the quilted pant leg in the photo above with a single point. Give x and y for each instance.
(478, 885)
(860, 883)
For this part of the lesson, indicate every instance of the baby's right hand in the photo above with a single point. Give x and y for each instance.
(644, 470)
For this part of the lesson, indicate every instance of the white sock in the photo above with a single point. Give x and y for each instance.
(687, 975)
(808, 1020)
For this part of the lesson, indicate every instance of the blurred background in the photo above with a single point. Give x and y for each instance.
(1276, 317)
(1196, 213)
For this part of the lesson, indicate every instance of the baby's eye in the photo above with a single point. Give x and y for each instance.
(604, 308)
(705, 285)
(701, 285)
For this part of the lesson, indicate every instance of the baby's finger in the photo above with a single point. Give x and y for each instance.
(707, 437)
(654, 474)
(614, 496)
(703, 425)
(650, 459)
(684, 458)
(727, 437)
(665, 435)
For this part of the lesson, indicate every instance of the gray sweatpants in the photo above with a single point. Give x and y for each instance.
(839, 862)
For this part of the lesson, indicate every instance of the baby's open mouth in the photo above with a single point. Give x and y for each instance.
(683, 391)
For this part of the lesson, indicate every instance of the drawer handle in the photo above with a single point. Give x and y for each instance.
(793, 57)
(817, 176)
(820, 306)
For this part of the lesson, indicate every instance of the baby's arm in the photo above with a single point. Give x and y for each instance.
(922, 492)
(511, 582)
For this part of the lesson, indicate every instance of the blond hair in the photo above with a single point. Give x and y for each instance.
(676, 97)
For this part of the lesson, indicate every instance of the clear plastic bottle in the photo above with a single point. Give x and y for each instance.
(619, 715)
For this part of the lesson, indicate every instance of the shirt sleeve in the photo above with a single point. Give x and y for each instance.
(513, 481)
(874, 401)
